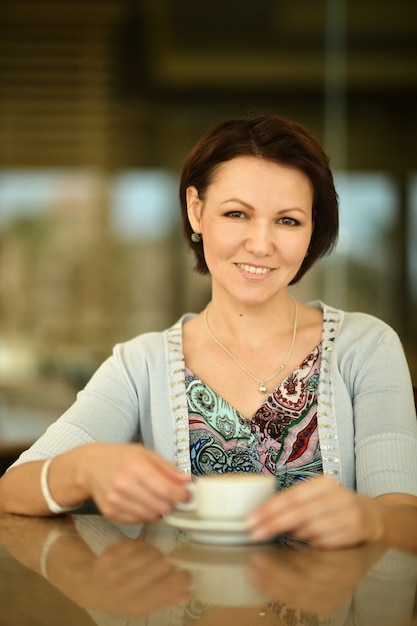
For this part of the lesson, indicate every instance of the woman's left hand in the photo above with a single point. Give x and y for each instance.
(322, 512)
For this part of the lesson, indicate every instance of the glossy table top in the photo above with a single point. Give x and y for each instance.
(84, 570)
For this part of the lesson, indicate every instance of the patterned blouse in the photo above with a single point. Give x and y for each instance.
(281, 438)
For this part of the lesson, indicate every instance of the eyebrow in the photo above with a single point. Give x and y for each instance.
(239, 201)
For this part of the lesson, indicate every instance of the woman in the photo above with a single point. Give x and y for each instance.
(255, 382)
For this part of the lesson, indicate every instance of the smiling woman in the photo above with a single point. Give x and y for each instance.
(256, 383)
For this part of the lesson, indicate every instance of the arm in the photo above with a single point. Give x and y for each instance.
(128, 482)
(92, 458)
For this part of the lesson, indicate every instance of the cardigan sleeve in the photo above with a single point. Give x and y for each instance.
(385, 423)
(107, 410)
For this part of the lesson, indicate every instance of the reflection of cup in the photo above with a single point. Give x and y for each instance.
(221, 576)
(230, 496)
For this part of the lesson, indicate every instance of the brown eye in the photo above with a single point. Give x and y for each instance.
(237, 214)
(288, 221)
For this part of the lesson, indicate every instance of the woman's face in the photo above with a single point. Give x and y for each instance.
(256, 225)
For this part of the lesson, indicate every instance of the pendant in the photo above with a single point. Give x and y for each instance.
(262, 388)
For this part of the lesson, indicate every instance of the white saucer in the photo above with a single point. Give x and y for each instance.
(210, 531)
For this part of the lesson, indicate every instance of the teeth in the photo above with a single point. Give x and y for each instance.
(254, 270)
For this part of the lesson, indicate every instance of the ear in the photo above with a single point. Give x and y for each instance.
(194, 208)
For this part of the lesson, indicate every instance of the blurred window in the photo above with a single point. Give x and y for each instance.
(144, 204)
(368, 212)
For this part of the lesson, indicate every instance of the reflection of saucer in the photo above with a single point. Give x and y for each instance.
(210, 531)
(192, 554)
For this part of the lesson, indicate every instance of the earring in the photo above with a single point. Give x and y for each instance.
(195, 237)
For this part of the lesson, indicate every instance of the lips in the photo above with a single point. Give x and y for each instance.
(252, 269)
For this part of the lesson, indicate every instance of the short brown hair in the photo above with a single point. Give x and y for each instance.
(273, 138)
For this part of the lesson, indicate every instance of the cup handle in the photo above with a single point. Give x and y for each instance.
(191, 504)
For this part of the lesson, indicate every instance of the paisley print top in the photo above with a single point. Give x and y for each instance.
(281, 438)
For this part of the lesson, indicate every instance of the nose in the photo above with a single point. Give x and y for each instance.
(260, 241)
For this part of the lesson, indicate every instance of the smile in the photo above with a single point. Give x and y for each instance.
(252, 269)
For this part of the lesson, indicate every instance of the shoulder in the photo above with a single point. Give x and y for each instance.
(151, 345)
(139, 359)
(359, 340)
(363, 346)
(351, 326)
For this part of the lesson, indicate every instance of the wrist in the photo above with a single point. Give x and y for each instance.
(83, 459)
(68, 478)
(378, 513)
(51, 503)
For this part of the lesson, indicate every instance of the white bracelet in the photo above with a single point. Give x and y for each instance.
(53, 506)
(50, 540)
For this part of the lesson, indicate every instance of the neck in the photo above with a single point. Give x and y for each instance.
(233, 321)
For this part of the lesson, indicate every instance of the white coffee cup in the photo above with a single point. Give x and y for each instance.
(228, 496)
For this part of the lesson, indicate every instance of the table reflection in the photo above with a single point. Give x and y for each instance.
(154, 575)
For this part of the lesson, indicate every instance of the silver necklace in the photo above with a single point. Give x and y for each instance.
(262, 381)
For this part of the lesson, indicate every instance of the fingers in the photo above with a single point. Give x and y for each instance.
(131, 502)
(132, 484)
(319, 511)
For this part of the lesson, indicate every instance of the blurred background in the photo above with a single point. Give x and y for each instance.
(101, 100)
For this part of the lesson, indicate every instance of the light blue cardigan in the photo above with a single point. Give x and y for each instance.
(366, 416)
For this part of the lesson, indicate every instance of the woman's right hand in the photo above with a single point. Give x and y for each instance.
(128, 482)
